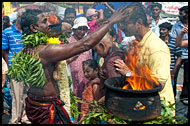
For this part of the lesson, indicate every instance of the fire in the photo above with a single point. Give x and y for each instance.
(141, 108)
(141, 78)
(52, 19)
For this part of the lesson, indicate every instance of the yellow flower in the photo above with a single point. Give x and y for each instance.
(53, 41)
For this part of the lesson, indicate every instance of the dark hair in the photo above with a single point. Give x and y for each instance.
(89, 18)
(56, 28)
(6, 18)
(113, 33)
(69, 10)
(156, 5)
(29, 17)
(184, 8)
(138, 12)
(91, 63)
(166, 25)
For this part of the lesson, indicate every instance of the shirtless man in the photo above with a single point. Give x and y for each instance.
(33, 21)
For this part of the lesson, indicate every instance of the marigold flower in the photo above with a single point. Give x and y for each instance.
(53, 41)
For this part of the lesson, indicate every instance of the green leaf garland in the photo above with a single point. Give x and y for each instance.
(27, 68)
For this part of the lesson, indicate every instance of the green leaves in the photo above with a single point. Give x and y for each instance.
(166, 115)
(99, 112)
(34, 39)
(63, 38)
(27, 68)
(74, 105)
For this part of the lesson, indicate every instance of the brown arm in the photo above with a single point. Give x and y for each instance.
(100, 19)
(96, 91)
(62, 52)
(179, 41)
(177, 64)
(5, 55)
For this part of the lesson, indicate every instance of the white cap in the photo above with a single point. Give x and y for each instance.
(81, 21)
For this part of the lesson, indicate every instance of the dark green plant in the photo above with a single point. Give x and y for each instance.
(74, 101)
(99, 112)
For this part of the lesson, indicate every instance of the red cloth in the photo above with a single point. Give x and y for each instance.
(119, 35)
(46, 110)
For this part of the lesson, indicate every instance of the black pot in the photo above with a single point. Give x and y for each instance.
(138, 105)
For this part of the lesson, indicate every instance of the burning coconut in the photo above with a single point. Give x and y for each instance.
(135, 97)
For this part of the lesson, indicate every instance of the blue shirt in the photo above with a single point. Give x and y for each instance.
(122, 33)
(176, 30)
(11, 41)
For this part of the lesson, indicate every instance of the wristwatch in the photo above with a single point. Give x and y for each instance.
(128, 74)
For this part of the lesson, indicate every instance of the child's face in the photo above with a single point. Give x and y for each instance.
(94, 17)
(89, 72)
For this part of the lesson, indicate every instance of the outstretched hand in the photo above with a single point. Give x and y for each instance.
(120, 14)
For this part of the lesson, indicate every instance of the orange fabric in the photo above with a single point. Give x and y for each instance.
(51, 115)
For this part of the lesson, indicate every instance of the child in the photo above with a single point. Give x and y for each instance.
(91, 91)
(93, 23)
(94, 19)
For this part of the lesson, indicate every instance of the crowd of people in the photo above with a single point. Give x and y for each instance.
(96, 49)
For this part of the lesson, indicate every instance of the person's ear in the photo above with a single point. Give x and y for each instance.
(101, 45)
(33, 28)
(139, 23)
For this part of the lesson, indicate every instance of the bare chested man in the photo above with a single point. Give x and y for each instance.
(42, 102)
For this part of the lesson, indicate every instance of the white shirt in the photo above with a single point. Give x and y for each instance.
(155, 27)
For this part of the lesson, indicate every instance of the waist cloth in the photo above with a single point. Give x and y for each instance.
(46, 110)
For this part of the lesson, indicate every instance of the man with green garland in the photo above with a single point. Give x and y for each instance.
(43, 105)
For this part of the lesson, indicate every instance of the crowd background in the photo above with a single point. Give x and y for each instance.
(69, 11)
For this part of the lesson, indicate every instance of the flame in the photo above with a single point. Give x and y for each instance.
(141, 78)
(143, 107)
(52, 19)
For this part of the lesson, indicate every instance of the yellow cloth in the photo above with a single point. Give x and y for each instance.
(156, 54)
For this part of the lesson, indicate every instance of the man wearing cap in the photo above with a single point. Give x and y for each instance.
(79, 29)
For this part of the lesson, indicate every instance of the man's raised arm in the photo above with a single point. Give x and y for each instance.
(62, 52)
